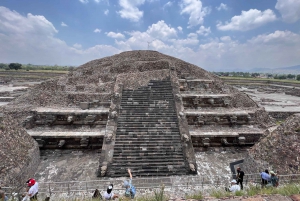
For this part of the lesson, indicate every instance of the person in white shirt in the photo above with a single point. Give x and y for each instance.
(109, 195)
(234, 187)
(33, 190)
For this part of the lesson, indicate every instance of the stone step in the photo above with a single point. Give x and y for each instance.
(149, 174)
(148, 146)
(148, 139)
(148, 170)
(148, 156)
(143, 139)
(143, 162)
(157, 149)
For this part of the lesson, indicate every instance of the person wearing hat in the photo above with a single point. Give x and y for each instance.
(273, 180)
(109, 195)
(33, 189)
(234, 187)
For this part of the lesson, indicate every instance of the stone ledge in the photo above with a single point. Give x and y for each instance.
(54, 134)
(70, 111)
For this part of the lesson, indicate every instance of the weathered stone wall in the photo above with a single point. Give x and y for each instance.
(281, 115)
(136, 80)
(281, 147)
(19, 153)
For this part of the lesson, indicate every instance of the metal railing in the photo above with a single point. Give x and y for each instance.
(149, 184)
(155, 182)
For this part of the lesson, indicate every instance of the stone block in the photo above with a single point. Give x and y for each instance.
(242, 140)
(84, 105)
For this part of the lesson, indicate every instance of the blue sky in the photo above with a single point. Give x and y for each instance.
(217, 35)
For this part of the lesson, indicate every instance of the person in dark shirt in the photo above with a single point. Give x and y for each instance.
(239, 177)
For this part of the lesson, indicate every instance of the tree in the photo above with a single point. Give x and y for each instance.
(2, 65)
(291, 76)
(298, 77)
(15, 66)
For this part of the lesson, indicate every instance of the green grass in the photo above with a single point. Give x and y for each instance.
(261, 79)
(196, 196)
(37, 71)
(286, 190)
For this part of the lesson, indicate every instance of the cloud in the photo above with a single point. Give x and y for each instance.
(204, 31)
(84, 1)
(161, 31)
(168, 4)
(32, 39)
(289, 10)
(63, 24)
(248, 20)
(115, 35)
(130, 9)
(97, 31)
(179, 28)
(77, 46)
(194, 9)
(106, 12)
(222, 7)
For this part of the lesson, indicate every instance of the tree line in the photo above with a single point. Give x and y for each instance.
(27, 67)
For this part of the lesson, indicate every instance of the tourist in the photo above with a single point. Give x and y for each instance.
(109, 195)
(265, 178)
(239, 177)
(234, 187)
(97, 195)
(33, 189)
(130, 189)
(2, 194)
(273, 182)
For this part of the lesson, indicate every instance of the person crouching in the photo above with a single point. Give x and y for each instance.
(109, 195)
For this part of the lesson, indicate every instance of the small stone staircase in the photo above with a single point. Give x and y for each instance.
(148, 139)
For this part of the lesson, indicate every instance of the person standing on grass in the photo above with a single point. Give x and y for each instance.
(273, 180)
(265, 177)
(239, 177)
(130, 189)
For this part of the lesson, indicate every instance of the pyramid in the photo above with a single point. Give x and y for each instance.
(143, 109)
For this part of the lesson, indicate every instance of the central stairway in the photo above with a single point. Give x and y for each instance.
(148, 139)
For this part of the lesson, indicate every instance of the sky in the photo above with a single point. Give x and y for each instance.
(217, 35)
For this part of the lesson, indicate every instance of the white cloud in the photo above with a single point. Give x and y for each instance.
(289, 10)
(195, 10)
(97, 31)
(161, 31)
(97, 1)
(115, 35)
(84, 1)
(77, 46)
(179, 28)
(31, 39)
(204, 31)
(168, 4)
(106, 12)
(130, 9)
(248, 20)
(63, 24)
(222, 7)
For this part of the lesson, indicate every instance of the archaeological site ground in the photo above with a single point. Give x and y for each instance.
(164, 118)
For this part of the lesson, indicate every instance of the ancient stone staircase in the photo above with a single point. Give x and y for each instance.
(148, 139)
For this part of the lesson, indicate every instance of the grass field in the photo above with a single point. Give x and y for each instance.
(259, 79)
